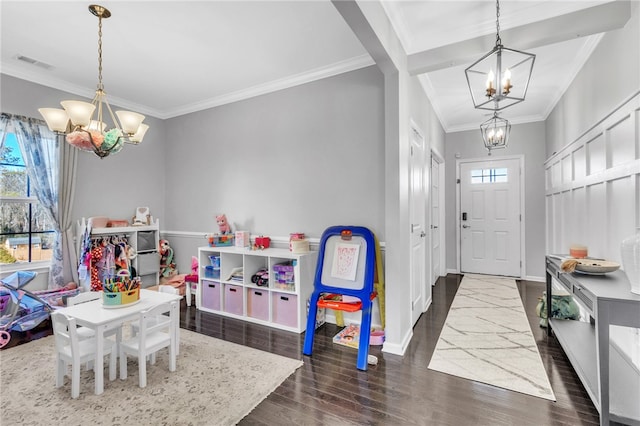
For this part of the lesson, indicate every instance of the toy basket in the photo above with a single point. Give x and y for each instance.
(223, 240)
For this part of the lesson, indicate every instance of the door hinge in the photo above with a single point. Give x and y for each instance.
(411, 150)
(458, 180)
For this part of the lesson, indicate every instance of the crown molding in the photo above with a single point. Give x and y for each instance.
(65, 86)
(337, 68)
(581, 58)
(341, 67)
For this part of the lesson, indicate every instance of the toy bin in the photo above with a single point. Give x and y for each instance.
(285, 309)
(112, 299)
(221, 240)
(233, 299)
(258, 304)
(211, 295)
(211, 272)
(284, 277)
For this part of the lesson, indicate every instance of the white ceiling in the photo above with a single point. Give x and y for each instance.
(168, 58)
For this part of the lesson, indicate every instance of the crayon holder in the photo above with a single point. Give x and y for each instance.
(112, 299)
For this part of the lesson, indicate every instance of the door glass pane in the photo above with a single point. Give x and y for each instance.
(489, 175)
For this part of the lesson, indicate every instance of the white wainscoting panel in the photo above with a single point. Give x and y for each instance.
(593, 186)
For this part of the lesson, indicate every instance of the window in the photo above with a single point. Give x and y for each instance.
(489, 176)
(26, 232)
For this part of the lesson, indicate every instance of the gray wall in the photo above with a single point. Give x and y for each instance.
(113, 186)
(296, 160)
(527, 140)
(610, 75)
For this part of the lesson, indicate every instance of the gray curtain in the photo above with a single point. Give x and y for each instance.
(66, 193)
(51, 168)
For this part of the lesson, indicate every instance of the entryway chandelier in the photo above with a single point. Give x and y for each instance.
(495, 132)
(90, 133)
(501, 77)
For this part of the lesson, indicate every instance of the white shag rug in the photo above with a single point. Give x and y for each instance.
(487, 338)
(216, 383)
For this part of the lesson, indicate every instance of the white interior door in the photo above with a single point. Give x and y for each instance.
(490, 217)
(417, 204)
(435, 220)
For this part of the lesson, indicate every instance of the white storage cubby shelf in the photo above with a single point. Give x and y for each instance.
(144, 239)
(277, 305)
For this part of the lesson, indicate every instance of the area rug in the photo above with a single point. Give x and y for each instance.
(216, 383)
(487, 338)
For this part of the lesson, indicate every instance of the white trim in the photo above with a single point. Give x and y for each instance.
(278, 240)
(38, 266)
(632, 100)
(65, 86)
(341, 67)
(320, 73)
(400, 349)
(442, 220)
(459, 162)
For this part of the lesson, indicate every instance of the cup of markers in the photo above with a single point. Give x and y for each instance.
(120, 290)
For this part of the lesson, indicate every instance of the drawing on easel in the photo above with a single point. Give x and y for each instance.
(345, 261)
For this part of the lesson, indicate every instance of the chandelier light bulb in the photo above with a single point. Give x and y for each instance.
(506, 82)
(490, 89)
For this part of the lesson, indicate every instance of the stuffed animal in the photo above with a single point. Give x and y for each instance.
(223, 225)
(167, 265)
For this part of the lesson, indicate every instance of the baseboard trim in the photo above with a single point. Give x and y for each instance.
(398, 349)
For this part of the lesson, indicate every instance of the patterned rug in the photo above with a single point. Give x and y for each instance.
(216, 383)
(487, 338)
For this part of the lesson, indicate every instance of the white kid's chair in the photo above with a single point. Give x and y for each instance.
(87, 296)
(71, 350)
(87, 333)
(152, 336)
(160, 319)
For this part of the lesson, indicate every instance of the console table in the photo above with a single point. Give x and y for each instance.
(611, 380)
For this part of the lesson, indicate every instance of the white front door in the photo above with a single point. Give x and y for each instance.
(490, 217)
(435, 220)
(417, 205)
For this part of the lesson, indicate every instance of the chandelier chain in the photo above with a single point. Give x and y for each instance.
(100, 86)
(498, 40)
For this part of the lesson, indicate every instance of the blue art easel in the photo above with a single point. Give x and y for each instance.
(346, 265)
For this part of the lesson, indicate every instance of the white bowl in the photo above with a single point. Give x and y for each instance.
(596, 266)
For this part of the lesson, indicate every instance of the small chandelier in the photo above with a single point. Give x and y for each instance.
(90, 133)
(501, 77)
(495, 132)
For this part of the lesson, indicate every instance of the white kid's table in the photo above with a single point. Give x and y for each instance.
(95, 316)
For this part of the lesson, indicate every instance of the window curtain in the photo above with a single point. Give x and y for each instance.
(51, 168)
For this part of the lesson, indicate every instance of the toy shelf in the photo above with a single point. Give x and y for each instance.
(280, 304)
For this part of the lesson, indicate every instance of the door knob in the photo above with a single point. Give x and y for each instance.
(423, 234)
(466, 226)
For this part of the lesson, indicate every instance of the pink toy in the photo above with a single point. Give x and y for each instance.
(223, 225)
(194, 265)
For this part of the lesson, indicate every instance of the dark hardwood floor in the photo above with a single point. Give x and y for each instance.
(329, 390)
